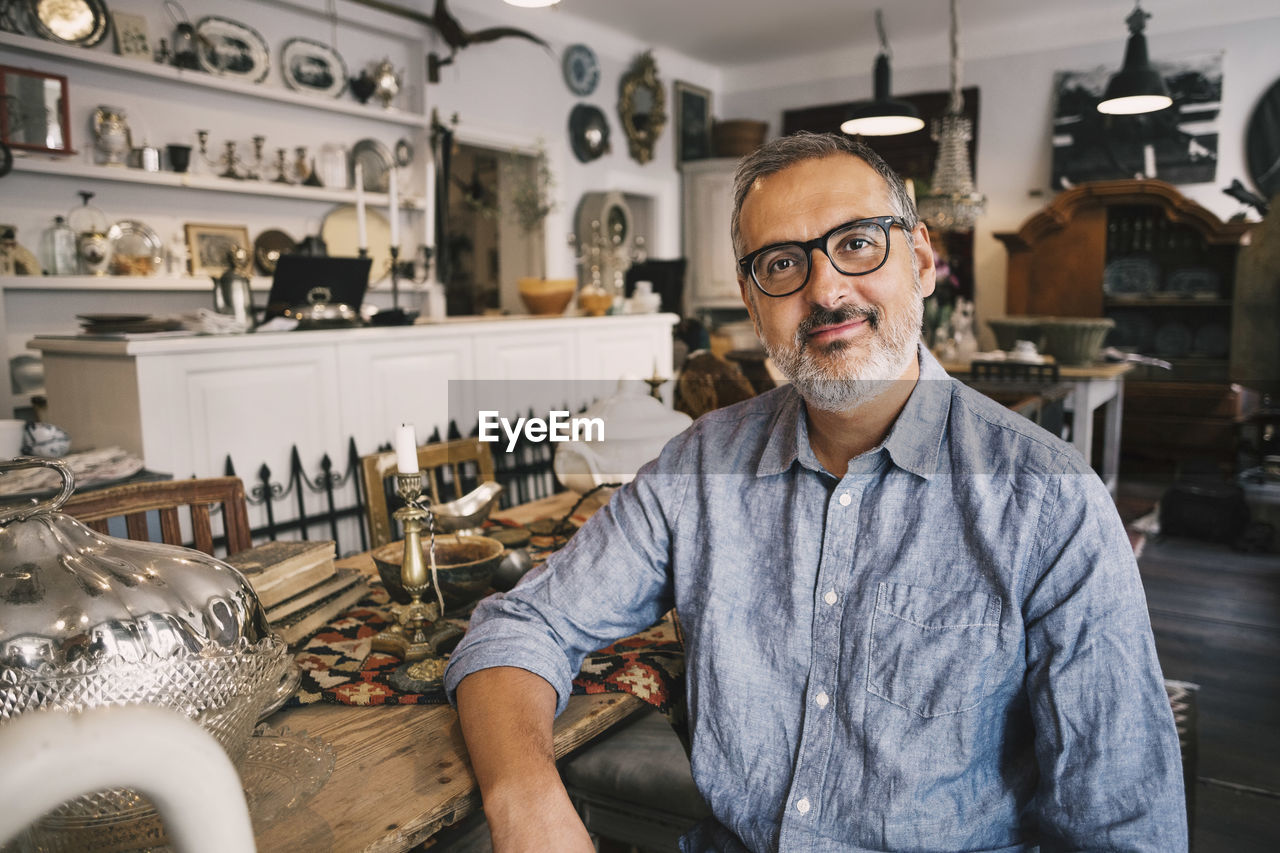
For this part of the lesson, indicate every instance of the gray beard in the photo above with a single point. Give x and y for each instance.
(836, 384)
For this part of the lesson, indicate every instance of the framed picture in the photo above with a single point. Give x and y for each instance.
(213, 246)
(693, 122)
(1178, 144)
(132, 39)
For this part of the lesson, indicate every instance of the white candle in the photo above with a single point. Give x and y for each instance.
(362, 235)
(394, 205)
(406, 450)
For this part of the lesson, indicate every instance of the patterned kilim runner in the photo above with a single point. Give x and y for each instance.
(339, 666)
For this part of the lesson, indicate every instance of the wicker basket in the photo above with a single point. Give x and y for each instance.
(1010, 330)
(1075, 340)
(738, 137)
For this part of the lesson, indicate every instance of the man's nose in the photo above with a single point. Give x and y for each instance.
(827, 286)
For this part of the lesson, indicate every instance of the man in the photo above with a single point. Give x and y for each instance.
(912, 618)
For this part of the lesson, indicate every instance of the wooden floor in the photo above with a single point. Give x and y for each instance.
(1216, 617)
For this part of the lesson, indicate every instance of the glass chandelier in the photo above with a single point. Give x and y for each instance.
(953, 204)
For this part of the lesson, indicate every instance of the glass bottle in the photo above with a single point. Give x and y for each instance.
(58, 249)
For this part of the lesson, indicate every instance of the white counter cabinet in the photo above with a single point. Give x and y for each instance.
(186, 404)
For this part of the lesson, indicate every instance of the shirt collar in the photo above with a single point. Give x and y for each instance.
(913, 442)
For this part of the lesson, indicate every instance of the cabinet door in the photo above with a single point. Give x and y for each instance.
(608, 355)
(252, 406)
(519, 372)
(404, 381)
(708, 208)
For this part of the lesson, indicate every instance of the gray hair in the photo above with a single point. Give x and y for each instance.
(781, 153)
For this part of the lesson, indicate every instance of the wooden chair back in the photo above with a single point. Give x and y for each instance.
(445, 466)
(134, 500)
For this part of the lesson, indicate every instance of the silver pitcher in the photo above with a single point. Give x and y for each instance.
(232, 295)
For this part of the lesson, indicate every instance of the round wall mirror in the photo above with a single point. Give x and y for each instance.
(642, 106)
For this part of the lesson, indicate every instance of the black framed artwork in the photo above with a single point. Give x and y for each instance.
(1178, 144)
(693, 122)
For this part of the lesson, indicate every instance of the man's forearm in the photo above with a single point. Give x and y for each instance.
(507, 715)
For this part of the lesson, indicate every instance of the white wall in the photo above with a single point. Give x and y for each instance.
(1014, 149)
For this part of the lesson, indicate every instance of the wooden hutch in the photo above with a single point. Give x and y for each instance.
(1164, 268)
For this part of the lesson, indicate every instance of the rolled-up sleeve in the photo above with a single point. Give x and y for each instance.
(610, 581)
(1105, 741)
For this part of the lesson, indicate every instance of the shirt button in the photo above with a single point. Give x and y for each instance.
(802, 805)
(830, 597)
(846, 499)
(822, 699)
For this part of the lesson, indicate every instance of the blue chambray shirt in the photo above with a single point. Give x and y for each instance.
(947, 648)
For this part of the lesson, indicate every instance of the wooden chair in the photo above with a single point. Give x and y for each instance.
(134, 500)
(449, 468)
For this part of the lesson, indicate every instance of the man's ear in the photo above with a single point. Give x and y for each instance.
(922, 251)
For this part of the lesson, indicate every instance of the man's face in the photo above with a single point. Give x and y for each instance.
(840, 336)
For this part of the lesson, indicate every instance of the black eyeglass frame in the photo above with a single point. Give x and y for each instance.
(886, 223)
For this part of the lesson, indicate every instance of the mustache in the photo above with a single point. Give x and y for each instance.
(820, 316)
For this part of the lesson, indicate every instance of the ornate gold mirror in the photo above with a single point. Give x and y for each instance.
(642, 106)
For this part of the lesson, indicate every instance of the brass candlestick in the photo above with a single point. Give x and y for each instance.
(415, 635)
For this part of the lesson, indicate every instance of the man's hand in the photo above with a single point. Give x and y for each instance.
(506, 715)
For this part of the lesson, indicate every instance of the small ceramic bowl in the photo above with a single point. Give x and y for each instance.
(465, 565)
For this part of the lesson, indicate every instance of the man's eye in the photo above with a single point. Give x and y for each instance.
(854, 244)
(780, 265)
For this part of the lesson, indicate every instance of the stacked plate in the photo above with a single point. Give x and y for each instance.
(115, 324)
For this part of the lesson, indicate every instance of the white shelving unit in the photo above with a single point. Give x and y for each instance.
(155, 283)
(100, 59)
(32, 304)
(46, 165)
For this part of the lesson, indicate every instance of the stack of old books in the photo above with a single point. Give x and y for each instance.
(299, 586)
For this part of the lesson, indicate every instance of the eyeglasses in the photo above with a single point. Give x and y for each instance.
(854, 248)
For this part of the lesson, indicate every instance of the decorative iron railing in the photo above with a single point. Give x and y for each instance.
(315, 503)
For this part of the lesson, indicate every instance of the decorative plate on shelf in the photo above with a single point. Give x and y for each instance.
(341, 234)
(375, 160)
(1130, 278)
(588, 132)
(310, 66)
(268, 248)
(136, 249)
(404, 152)
(1173, 340)
(79, 22)
(231, 49)
(1212, 341)
(581, 69)
(1194, 282)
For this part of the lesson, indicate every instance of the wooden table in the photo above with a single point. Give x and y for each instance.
(401, 772)
(1095, 386)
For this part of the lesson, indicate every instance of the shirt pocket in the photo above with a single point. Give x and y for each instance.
(931, 649)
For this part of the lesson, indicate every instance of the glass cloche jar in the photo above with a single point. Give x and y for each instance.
(89, 620)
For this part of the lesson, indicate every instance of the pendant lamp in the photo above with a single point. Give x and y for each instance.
(953, 203)
(1137, 87)
(884, 116)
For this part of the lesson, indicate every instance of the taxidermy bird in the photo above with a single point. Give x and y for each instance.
(443, 21)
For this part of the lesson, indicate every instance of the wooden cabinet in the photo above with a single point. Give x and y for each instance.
(1162, 267)
(712, 280)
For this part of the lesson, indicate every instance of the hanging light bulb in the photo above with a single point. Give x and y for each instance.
(884, 116)
(953, 203)
(1136, 87)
